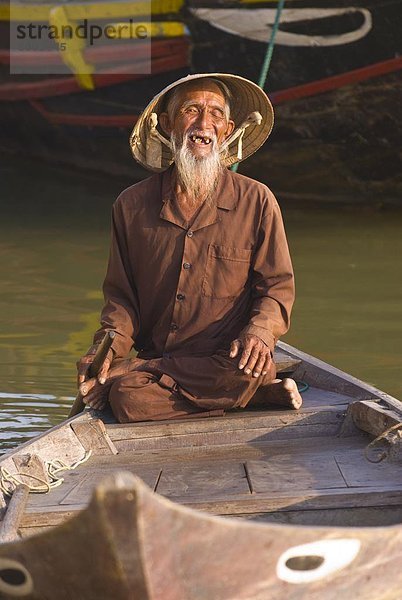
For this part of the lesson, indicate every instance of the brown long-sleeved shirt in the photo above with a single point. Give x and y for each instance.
(174, 290)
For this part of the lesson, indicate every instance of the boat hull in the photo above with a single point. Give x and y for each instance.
(335, 81)
(332, 465)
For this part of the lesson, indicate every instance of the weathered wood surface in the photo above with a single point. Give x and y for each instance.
(322, 414)
(14, 513)
(215, 480)
(226, 437)
(31, 469)
(304, 425)
(322, 375)
(67, 442)
(296, 475)
(81, 493)
(143, 546)
(376, 498)
(247, 463)
(317, 471)
(59, 442)
(284, 362)
(357, 516)
(374, 417)
(278, 460)
(362, 473)
(93, 436)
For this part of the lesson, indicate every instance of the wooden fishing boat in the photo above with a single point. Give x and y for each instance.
(334, 81)
(314, 498)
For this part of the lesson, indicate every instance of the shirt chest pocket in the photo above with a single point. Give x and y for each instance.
(226, 271)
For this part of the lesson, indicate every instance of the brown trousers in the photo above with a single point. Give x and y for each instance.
(182, 386)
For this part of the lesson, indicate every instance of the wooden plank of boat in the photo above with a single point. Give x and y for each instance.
(287, 467)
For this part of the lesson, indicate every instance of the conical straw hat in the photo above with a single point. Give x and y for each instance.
(251, 112)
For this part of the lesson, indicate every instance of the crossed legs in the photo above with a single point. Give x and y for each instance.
(180, 387)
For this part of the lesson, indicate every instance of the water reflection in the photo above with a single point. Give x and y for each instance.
(54, 244)
(26, 415)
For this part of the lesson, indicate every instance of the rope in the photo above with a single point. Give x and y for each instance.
(268, 55)
(9, 481)
(271, 45)
(386, 436)
(302, 386)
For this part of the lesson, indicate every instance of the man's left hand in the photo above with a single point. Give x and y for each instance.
(256, 356)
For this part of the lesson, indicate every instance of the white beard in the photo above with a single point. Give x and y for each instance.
(196, 176)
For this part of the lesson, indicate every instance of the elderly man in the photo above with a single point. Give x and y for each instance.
(199, 279)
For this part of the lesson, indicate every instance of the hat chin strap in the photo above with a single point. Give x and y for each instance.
(154, 133)
(155, 139)
(254, 118)
(153, 148)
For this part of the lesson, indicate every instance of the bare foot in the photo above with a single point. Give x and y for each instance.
(281, 391)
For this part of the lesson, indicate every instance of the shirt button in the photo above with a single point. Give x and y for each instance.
(190, 233)
(186, 265)
(180, 296)
(173, 327)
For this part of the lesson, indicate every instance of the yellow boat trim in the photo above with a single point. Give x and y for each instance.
(126, 31)
(20, 11)
(67, 15)
(71, 50)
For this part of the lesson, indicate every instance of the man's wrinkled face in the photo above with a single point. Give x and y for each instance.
(197, 123)
(200, 119)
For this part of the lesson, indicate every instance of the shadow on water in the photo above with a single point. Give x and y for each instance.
(54, 245)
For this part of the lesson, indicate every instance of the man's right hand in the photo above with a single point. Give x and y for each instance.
(85, 361)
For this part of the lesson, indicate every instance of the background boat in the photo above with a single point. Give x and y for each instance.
(335, 81)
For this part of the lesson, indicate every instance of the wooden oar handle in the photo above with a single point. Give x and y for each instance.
(15, 511)
(101, 354)
(94, 368)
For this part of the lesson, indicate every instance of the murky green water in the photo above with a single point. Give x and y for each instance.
(54, 245)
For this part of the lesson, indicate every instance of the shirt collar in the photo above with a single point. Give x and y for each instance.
(225, 193)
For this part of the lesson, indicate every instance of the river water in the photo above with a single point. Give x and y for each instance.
(54, 245)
